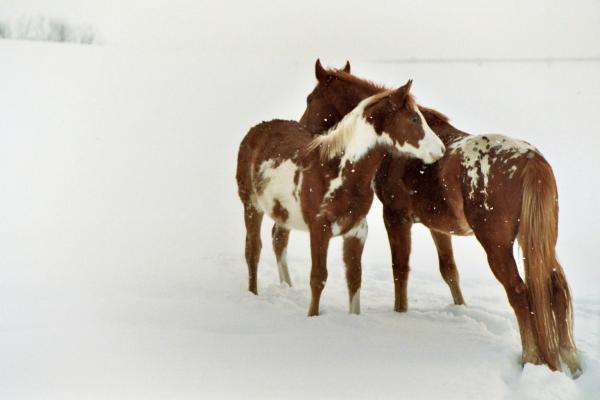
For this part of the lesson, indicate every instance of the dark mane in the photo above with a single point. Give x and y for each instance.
(373, 88)
(370, 86)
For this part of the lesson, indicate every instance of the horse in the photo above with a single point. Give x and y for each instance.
(323, 184)
(492, 186)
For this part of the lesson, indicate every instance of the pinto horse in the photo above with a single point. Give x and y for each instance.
(323, 184)
(491, 186)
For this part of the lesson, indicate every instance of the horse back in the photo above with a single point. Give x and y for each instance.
(276, 140)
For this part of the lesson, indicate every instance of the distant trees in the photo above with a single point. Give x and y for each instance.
(46, 29)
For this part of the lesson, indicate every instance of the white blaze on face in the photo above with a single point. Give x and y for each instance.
(279, 186)
(430, 143)
(429, 149)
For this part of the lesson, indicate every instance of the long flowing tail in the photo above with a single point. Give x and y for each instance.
(538, 231)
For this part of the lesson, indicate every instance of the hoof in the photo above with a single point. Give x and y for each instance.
(458, 299)
(400, 308)
(285, 282)
(532, 357)
(313, 311)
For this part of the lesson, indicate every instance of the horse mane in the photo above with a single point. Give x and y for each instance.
(368, 85)
(334, 142)
(372, 87)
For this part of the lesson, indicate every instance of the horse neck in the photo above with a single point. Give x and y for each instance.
(354, 142)
(344, 101)
(446, 132)
(357, 174)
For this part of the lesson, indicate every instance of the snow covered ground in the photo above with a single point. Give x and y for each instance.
(121, 234)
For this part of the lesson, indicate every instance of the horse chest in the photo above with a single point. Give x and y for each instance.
(277, 187)
(347, 198)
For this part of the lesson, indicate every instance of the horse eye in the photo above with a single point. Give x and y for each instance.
(414, 119)
(308, 99)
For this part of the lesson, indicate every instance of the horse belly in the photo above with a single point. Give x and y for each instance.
(278, 193)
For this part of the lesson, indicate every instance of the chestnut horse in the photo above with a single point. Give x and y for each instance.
(491, 186)
(327, 192)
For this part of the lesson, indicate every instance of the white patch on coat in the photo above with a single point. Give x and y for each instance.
(336, 229)
(279, 185)
(352, 137)
(364, 137)
(475, 157)
(360, 231)
(358, 137)
(429, 149)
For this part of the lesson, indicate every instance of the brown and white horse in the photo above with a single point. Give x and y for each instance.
(495, 187)
(323, 184)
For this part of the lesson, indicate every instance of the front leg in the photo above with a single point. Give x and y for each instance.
(319, 243)
(398, 224)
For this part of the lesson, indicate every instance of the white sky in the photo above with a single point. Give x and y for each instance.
(349, 28)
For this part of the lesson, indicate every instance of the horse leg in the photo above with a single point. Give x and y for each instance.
(280, 236)
(398, 224)
(253, 219)
(443, 243)
(563, 313)
(503, 265)
(354, 242)
(319, 243)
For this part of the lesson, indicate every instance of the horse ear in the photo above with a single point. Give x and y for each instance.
(399, 96)
(320, 72)
(347, 67)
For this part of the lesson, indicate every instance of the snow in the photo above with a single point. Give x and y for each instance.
(122, 270)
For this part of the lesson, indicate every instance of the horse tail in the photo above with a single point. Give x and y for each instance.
(538, 232)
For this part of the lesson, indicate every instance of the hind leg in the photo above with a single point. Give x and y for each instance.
(563, 312)
(354, 242)
(503, 265)
(443, 244)
(398, 224)
(280, 236)
(253, 219)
